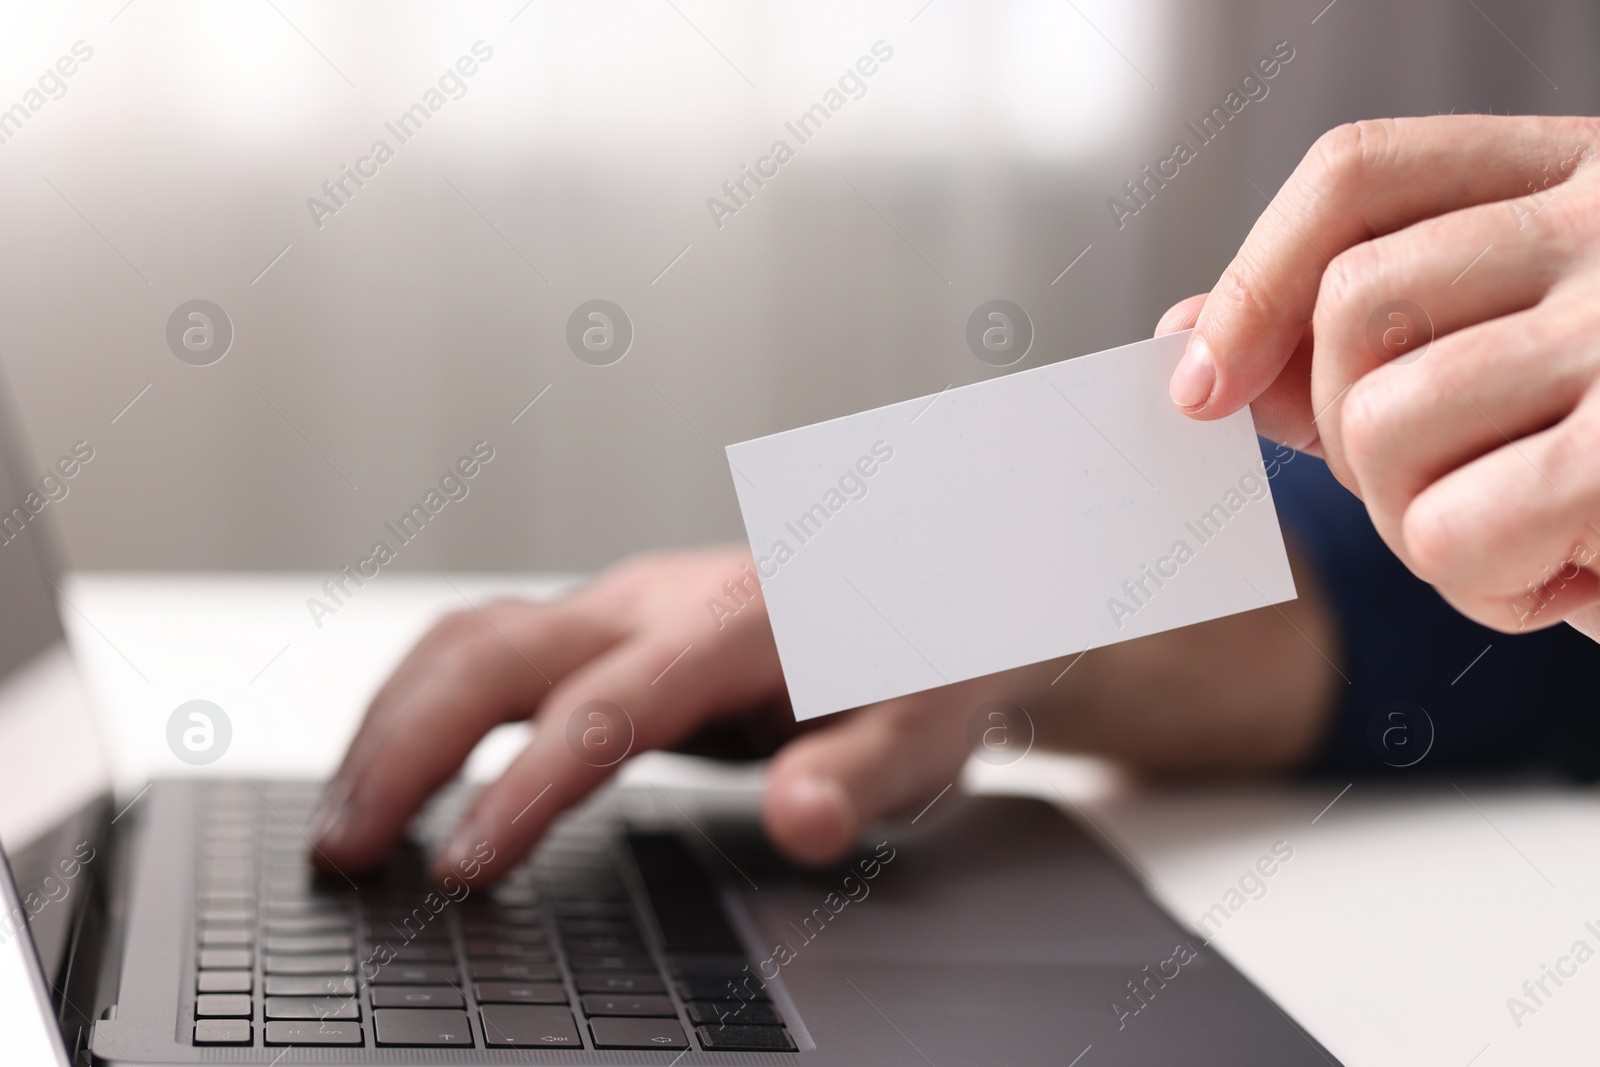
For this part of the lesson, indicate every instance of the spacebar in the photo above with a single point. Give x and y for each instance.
(683, 898)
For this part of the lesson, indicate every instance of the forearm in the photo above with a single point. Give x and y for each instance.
(1250, 692)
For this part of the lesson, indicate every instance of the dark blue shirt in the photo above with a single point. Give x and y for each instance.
(1428, 688)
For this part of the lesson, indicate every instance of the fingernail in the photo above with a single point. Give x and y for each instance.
(1195, 377)
(817, 792)
(333, 814)
(823, 809)
(465, 853)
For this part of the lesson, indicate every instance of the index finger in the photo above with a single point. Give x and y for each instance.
(634, 698)
(1358, 182)
(473, 671)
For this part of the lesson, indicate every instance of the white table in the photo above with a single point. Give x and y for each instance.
(1395, 934)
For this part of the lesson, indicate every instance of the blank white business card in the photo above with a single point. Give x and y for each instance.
(1020, 519)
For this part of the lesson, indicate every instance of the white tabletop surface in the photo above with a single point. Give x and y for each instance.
(1397, 932)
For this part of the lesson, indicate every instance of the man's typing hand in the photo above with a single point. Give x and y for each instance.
(635, 660)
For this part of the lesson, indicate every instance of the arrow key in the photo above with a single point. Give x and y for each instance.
(637, 1033)
(529, 1026)
(421, 1026)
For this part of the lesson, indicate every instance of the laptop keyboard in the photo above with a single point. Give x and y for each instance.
(560, 954)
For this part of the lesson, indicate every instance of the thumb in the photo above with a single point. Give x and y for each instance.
(1283, 409)
(825, 786)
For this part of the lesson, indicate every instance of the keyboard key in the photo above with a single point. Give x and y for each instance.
(745, 1038)
(504, 920)
(514, 896)
(562, 895)
(219, 851)
(227, 836)
(328, 964)
(223, 1005)
(500, 950)
(224, 916)
(224, 982)
(598, 928)
(707, 965)
(220, 884)
(601, 946)
(225, 860)
(440, 952)
(415, 974)
(598, 1004)
(302, 944)
(682, 896)
(304, 909)
(226, 959)
(225, 872)
(313, 1008)
(310, 985)
(731, 1013)
(397, 934)
(637, 1033)
(695, 987)
(231, 839)
(521, 935)
(611, 963)
(415, 996)
(229, 898)
(503, 923)
(220, 936)
(222, 1032)
(619, 983)
(309, 924)
(401, 913)
(529, 1027)
(593, 909)
(292, 886)
(521, 992)
(527, 972)
(312, 1032)
(408, 1026)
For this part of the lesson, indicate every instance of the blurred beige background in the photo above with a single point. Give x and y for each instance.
(371, 352)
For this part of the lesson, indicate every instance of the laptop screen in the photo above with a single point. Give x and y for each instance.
(29, 624)
(34, 667)
(26, 1015)
(51, 760)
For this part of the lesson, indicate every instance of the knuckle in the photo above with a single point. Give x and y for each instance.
(469, 650)
(460, 641)
(1365, 422)
(1564, 214)
(1431, 540)
(1548, 219)
(1242, 293)
(1568, 454)
(1342, 156)
(507, 613)
(635, 570)
(1346, 288)
(455, 626)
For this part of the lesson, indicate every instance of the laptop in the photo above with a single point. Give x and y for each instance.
(651, 927)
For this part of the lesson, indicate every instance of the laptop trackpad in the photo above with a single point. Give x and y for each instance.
(1029, 1014)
